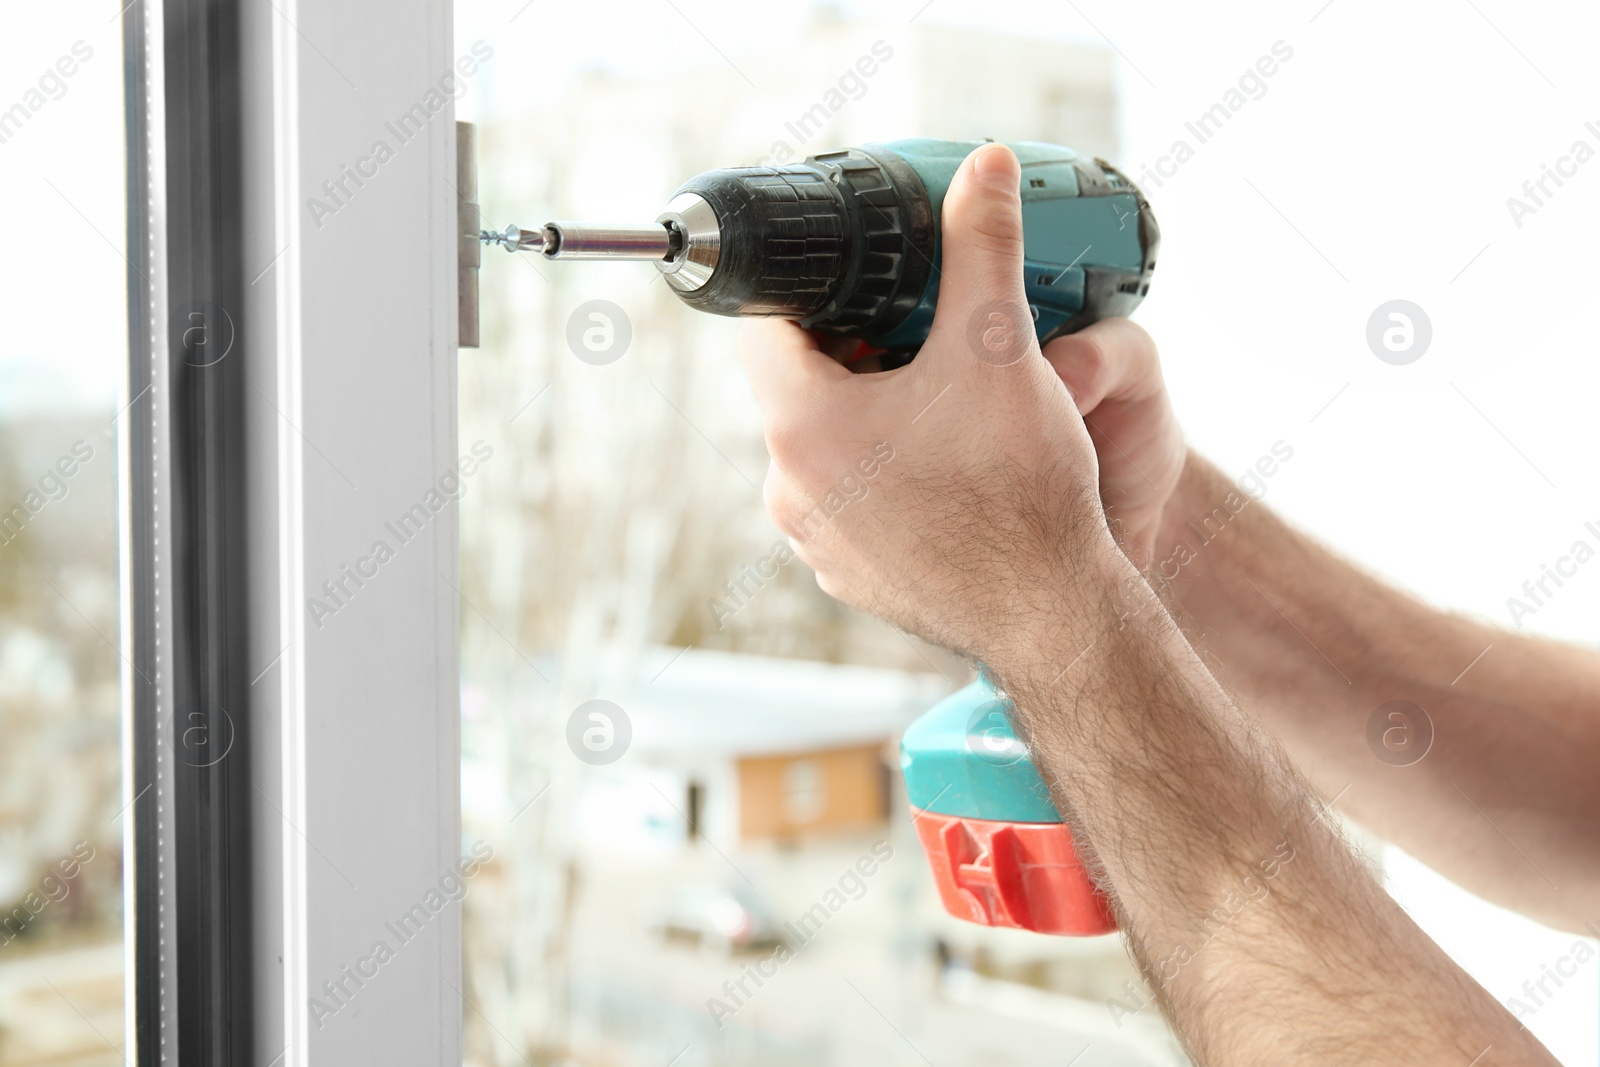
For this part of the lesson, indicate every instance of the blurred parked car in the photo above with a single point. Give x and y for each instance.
(732, 919)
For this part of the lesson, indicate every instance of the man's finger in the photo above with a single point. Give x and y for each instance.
(795, 384)
(1111, 360)
(785, 365)
(982, 305)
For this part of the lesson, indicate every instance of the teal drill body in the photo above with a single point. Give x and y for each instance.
(1089, 237)
(848, 242)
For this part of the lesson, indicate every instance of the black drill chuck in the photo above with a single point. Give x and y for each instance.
(843, 241)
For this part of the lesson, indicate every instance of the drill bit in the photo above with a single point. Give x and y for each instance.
(515, 239)
(583, 240)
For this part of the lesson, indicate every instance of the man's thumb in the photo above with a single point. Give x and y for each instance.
(980, 279)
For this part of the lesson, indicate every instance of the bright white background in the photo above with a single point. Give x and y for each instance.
(62, 277)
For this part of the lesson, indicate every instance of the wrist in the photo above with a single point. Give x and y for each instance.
(1063, 619)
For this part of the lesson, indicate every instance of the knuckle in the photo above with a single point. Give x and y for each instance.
(788, 440)
(996, 228)
(1089, 358)
(786, 505)
(1144, 347)
(1081, 362)
(832, 587)
(984, 219)
(1129, 340)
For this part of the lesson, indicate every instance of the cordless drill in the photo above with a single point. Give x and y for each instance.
(848, 243)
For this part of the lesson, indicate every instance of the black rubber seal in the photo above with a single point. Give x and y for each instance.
(205, 748)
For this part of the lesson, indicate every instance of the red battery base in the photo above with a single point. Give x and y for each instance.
(1023, 875)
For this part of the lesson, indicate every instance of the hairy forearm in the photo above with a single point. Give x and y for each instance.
(1491, 781)
(1257, 929)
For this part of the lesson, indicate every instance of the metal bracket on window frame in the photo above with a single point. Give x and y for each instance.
(469, 248)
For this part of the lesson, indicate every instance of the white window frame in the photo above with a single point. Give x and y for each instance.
(345, 337)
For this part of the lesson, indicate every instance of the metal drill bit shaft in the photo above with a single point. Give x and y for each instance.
(583, 240)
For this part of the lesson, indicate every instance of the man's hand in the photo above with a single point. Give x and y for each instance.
(1114, 376)
(989, 508)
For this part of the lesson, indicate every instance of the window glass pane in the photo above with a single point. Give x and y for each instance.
(62, 358)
